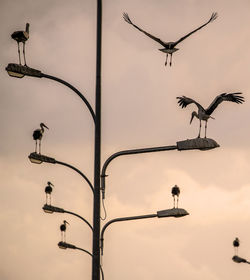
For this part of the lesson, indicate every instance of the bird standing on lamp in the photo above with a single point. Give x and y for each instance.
(21, 37)
(38, 135)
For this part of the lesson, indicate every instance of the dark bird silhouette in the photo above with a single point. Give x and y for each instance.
(236, 244)
(169, 47)
(21, 37)
(63, 230)
(175, 193)
(48, 191)
(205, 114)
(38, 135)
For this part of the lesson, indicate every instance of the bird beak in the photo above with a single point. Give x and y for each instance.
(66, 222)
(191, 118)
(45, 126)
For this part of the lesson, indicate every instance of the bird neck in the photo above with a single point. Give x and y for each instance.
(27, 28)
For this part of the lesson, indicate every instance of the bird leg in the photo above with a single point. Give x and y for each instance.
(177, 201)
(39, 146)
(166, 62)
(170, 60)
(206, 129)
(199, 130)
(36, 147)
(18, 46)
(24, 54)
(174, 201)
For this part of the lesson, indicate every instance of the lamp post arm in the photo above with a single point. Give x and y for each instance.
(78, 171)
(129, 152)
(80, 217)
(74, 89)
(121, 220)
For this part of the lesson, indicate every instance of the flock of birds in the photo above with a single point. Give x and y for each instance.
(202, 114)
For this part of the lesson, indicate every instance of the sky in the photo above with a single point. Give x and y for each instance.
(139, 110)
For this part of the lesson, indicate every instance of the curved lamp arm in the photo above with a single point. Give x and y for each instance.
(19, 71)
(129, 152)
(64, 245)
(38, 159)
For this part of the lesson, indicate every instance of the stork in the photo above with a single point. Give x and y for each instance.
(169, 47)
(236, 244)
(175, 193)
(38, 135)
(48, 191)
(63, 230)
(205, 114)
(21, 37)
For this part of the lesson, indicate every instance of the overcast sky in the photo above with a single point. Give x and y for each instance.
(139, 109)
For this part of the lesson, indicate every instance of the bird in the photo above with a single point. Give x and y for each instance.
(38, 135)
(21, 37)
(175, 193)
(169, 47)
(63, 230)
(48, 191)
(236, 244)
(205, 114)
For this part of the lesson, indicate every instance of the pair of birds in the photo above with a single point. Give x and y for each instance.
(169, 47)
(183, 101)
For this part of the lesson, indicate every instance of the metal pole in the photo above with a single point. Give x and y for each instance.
(97, 168)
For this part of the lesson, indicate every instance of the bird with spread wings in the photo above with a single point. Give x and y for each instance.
(205, 114)
(169, 47)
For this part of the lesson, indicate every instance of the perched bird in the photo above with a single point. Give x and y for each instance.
(48, 191)
(63, 230)
(21, 37)
(236, 244)
(169, 47)
(38, 135)
(205, 114)
(175, 193)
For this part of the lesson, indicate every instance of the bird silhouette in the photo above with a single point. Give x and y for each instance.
(38, 135)
(63, 228)
(175, 193)
(236, 244)
(205, 114)
(48, 191)
(21, 37)
(169, 47)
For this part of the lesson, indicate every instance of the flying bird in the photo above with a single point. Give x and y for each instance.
(205, 114)
(175, 193)
(48, 191)
(169, 47)
(38, 135)
(21, 37)
(63, 230)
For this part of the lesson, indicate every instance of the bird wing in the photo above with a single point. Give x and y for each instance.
(184, 101)
(233, 97)
(128, 20)
(212, 18)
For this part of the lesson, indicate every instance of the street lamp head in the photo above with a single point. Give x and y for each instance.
(51, 209)
(38, 158)
(19, 71)
(238, 259)
(202, 144)
(64, 245)
(174, 212)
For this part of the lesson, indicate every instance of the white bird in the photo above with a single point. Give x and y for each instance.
(63, 228)
(21, 37)
(205, 114)
(169, 47)
(48, 191)
(38, 135)
(175, 193)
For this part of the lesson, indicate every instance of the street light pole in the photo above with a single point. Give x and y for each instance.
(97, 158)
